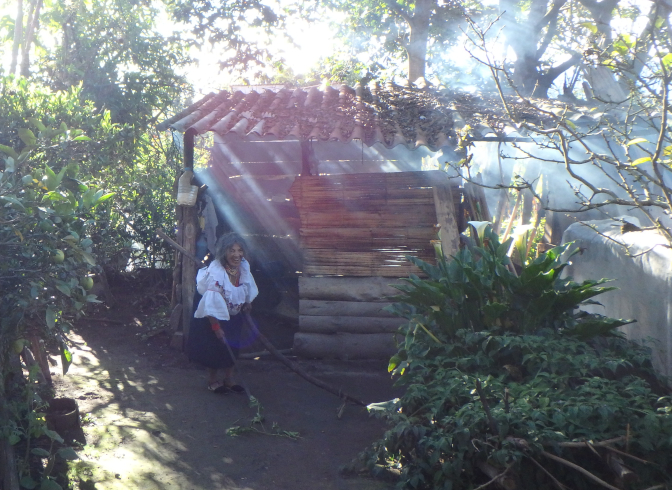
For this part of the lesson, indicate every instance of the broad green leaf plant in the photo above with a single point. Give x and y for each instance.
(504, 373)
(45, 274)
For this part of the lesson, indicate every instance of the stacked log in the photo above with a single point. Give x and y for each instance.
(343, 318)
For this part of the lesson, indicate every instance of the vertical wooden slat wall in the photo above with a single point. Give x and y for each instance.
(356, 230)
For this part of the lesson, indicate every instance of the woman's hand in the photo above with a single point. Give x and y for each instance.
(214, 324)
(247, 307)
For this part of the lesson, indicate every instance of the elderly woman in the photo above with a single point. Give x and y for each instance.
(224, 289)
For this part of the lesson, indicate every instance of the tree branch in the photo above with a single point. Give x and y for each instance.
(396, 8)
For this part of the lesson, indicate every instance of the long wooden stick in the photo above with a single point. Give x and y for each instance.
(179, 248)
(295, 367)
(267, 343)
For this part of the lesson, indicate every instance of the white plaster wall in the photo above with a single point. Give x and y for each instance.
(644, 281)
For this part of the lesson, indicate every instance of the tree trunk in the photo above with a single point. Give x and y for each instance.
(18, 37)
(417, 52)
(31, 27)
(417, 45)
(526, 40)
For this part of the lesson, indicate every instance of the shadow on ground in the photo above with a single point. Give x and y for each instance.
(150, 423)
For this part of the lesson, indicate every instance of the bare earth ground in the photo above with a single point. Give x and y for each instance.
(150, 423)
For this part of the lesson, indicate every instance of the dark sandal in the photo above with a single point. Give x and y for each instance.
(236, 389)
(218, 388)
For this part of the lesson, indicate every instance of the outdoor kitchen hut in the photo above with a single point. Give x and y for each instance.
(333, 186)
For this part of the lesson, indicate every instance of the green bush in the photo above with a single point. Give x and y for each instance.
(508, 382)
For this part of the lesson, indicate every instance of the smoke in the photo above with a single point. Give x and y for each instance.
(544, 168)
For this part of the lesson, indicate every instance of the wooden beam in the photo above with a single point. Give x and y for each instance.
(447, 220)
(343, 308)
(349, 324)
(347, 288)
(344, 346)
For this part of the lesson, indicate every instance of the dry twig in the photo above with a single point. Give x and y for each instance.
(576, 467)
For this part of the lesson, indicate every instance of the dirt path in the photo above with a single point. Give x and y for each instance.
(150, 423)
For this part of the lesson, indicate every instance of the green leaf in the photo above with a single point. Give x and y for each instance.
(37, 123)
(53, 435)
(49, 484)
(591, 26)
(67, 453)
(88, 258)
(667, 60)
(42, 453)
(639, 161)
(636, 141)
(66, 358)
(28, 482)
(50, 178)
(81, 138)
(64, 289)
(9, 165)
(50, 317)
(8, 150)
(394, 362)
(27, 136)
(103, 198)
(13, 201)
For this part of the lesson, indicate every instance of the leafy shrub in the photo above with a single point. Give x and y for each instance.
(508, 382)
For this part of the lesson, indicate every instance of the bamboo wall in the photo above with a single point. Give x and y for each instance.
(356, 230)
(364, 225)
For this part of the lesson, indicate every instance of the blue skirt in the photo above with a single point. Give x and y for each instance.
(203, 346)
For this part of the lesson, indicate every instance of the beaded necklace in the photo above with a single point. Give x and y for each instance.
(234, 275)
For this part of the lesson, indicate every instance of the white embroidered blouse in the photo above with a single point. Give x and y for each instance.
(221, 299)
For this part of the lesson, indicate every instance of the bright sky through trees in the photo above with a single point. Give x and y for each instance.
(312, 42)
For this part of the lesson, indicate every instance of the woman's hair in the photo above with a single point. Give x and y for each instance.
(227, 241)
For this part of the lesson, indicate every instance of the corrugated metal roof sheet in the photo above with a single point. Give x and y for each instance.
(388, 114)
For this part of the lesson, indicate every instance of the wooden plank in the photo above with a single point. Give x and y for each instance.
(327, 202)
(344, 346)
(418, 215)
(393, 257)
(367, 238)
(371, 263)
(372, 271)
(446, 217)
(315, 307)
(348, 324)
(347, 288)
(392, 179)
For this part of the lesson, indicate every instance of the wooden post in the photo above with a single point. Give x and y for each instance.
(445, 216)
(189, 229)
(306, 154)
(190, 223)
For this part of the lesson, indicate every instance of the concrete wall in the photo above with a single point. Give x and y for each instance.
(643, 273)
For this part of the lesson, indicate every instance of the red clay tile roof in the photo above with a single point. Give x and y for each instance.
(389, 114)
